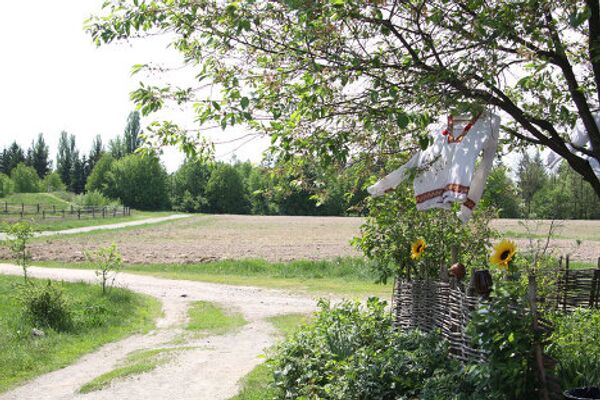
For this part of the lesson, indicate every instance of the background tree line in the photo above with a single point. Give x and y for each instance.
(140, 181)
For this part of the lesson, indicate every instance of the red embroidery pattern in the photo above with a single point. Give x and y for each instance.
(452, 187)
(469, 203)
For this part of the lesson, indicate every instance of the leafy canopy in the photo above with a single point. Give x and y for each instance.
(333, 80)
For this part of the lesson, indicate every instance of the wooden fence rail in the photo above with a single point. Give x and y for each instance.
(46, 211)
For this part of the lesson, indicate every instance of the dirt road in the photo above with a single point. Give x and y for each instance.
(210, 370)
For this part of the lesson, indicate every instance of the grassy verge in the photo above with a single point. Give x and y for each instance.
(97, 320)
(211, 319)
(136, 363)
(344, 276)
(58, 224)
(257, 384)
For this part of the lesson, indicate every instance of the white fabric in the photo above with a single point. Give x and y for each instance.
(445, 171)
(579, 137)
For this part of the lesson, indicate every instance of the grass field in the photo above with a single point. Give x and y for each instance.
(56, 223)
(96, 320)
(343, 276)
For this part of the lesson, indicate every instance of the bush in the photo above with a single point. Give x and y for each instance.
(53, 183)
(6, 185)
(188, 188)
(94, 199)
(45, 305)
(226, 192)
(139, 182)
(98, 179)
(25, 179)
(349, 352)
(575, 344)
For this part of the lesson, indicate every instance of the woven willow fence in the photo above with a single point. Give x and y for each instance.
(446, 306)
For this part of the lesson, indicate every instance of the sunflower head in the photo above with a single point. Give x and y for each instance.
(417, 249)
(503, 254)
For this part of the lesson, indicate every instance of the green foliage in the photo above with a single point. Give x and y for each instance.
(45, 305)
(98, 179)
(94, 199)
(188, 187)
(19, 235)
(25, 179)
(6, 185)
(39, 156)
(65, 158)
(574, 343)
(225, 191)
(502, 328)
(53, 183)
(501, 194)
(96, 320)
(394, 224)
(140, 182)
(532, 178)
(108, 262)
(351, 352)
(347, 105)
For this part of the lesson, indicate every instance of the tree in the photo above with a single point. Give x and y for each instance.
(331, 80)
(225, 191)
(98, 178)
(6, 185)
(500, 192)
(25, 179)
(140, 182)
(116, 147)
(65, 158)
(132, 130)
(188, 186)
(13, 157)
(53, 183)
(77, 176)
(96, 152)
(40, 156)
(532, 177)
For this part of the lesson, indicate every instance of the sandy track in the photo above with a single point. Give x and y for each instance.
(210, 370)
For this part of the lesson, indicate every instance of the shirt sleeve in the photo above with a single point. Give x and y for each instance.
(393, 179)
(482, 172)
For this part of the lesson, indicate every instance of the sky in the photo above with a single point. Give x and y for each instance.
(53, 78)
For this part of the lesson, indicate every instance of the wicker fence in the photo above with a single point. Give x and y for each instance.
(46, 211)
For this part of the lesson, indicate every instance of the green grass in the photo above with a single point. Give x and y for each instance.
(136, 363)
(31, 199)
(343, 276)
(96, 320)
(68, 223)
(256, 385)
(210, 319)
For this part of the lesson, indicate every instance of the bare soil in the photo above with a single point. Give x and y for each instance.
(204, 238)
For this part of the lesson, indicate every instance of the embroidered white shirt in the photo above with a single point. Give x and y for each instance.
(445, 171)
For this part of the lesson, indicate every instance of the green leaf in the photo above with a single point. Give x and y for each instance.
(245, 102)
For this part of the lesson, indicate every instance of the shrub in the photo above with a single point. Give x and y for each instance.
(226, 192)
(188, 187)
(98, 179)
(139, 182)
(25, 179)
(19, 234)
(94, 199)
(53, 183)
(350, 352)
(575, 344)
(6, 185)
(108, 262)
(45, 305)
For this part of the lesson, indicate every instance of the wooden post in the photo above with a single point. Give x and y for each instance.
(54, 209)
(22, 209)
(38, 208)
(93, 212)
(79, 214)
(43, 214)
(63, 212)
(71, 209)
(103, 211)
(537, 347)
(566, 283)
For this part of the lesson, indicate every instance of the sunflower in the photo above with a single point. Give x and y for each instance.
(503, 253)
(417, 249)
